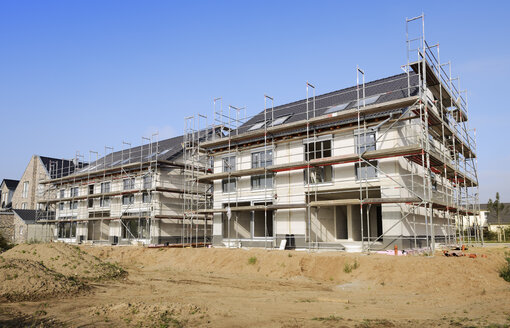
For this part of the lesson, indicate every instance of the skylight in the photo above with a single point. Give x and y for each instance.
(280, 120)
(368, 101)
(257, 126)
(336, 108)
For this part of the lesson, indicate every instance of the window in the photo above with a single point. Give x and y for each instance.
(62, 193)
(317, 149)
(433, 182)
(336, 108)
(91, 202)
(147, 182)
(104, 202)
(73, 205)
(364, 141)
(105, 187)
(262, 181)
(74, 192)
(129, 183)
(128, 199)
(262, 158)
(66, 229)
(146, 197)
(257, 126)
(319, 174)
(368, 101)
(366, 171)
(23, 206)
(280, 120)
(228, 185)
(25, 189)
(229, 164)
(91, 189)
(61, 206)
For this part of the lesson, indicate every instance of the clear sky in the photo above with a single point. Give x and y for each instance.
(79, 75)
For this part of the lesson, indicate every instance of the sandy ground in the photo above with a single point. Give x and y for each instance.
(259, 288)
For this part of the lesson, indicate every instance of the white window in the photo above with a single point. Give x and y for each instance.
(61, 206)
(104, 202)
(105, 187)
(319, 174)
(228, 185)
(366, 171)
(317, 149)
(146, 197)
(364, 141)
(74, 192)
(73, 205)
(262, 158)
(25, 189)
(23, 206)
(129, 183)
(280, 120)
(336, 108)
(229, 164)
(368, 101)
(147, 182)
(62, 193)
(257, 126)
(128, 199)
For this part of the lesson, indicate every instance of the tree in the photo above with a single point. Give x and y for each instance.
(495, 207)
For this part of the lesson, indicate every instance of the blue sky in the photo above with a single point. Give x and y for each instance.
(79, 75)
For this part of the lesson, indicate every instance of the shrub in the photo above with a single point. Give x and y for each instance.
(504, 272)
(4, 244)
(252, 260)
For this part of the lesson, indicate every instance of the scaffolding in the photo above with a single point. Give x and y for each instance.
(117, 197)
(437, 154)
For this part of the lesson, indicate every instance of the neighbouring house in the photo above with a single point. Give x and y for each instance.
(7, 189)
(366, 167)
(39, 168)
(492, 220)
(130, 196)
(19, 226)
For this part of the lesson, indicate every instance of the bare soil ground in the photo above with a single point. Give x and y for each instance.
(258, 288)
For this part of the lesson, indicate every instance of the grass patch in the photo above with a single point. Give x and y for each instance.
(330, 318)
(504, 272)
(252, 260)
(349, 267)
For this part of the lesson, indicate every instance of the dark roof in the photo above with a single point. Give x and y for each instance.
(386, 89)
(11, 184)
(58, 167)
(167, 149)
(504, 215)
(28, 216)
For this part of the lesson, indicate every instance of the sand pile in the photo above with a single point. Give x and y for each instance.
(22, 279)
(67, 260)
(141, 314)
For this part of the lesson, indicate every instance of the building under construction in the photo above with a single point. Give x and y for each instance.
(130, 196)
(381, 163)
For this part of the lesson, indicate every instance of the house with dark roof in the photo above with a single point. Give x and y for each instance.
(39, 168)
(20, 226)
(134, 195)
(366, 167)
(7, 189)
(492, 222)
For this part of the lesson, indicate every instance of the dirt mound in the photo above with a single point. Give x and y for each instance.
(141, 314)
(22, 279)
(419, 273)
(66, 259)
